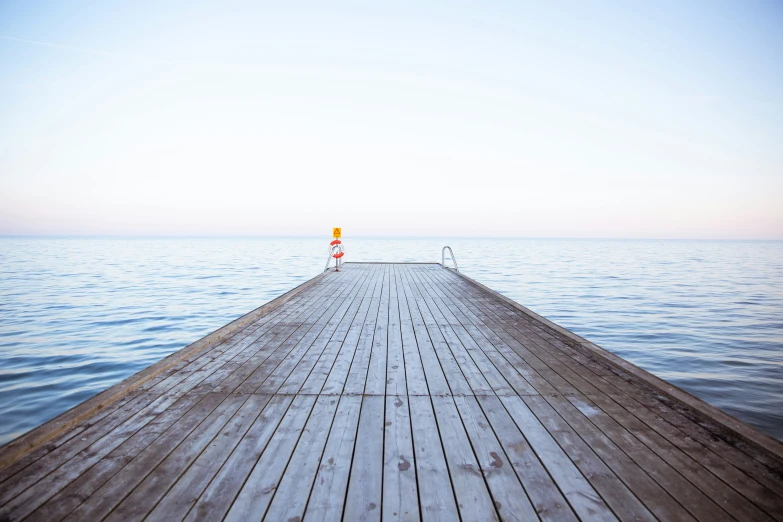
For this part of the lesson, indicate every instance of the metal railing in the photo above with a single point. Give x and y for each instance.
(443, 258)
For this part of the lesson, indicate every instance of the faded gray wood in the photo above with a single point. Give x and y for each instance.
(189, 487)
(327, 499)
(394, 391)
(539, 485)
(508, 495)
(218, 497)
(290, 497)
(363, 501)
(399, 465)
(470, 489)
(435, 490)
(256, 493)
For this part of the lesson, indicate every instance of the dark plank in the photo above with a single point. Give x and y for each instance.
(501, 376)
(685, 437)
(455, 359)
(668, 472)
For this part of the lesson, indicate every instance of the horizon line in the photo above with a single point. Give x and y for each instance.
(326, 236)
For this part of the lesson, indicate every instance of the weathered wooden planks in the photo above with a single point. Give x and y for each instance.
(394, 392)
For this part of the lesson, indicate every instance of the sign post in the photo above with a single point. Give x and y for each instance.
(335, 249)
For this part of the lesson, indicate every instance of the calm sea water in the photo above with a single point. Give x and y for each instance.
(78, 315)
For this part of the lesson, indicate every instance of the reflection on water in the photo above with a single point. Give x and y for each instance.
(78, 315)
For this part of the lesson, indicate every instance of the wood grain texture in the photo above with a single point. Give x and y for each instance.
(399, 392)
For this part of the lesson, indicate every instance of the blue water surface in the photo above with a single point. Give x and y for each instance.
(80, 314)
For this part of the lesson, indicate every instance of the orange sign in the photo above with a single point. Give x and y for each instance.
(337, 233)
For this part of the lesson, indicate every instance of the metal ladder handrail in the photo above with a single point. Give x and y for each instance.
(443, 258)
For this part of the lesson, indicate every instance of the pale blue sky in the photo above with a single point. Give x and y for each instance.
(554, 119)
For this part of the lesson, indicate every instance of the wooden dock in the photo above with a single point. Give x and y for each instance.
(394, 392)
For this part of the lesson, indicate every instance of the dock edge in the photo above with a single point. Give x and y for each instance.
(728, 423)
(18, 447)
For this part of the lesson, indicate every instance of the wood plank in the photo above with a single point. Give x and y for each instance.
(659, 469)
(547, 499)
(146, 403)
(500, 374)
(644, 407)
(458, 383)
(363, 501)
(21, 452)
(357, 375)
(317, 378)
(268, 377)
(351, 375)
(291, 496)
(103, 500)
(155, 414)
(415, 379)
(188, 488)
(400, 492)
(338, 373)
(327, 498)
(711, 490)
(80, 476)
(396, 391)
(376, 370)
(256, 494)
(435, 490)
(508, 495)
(268, 342)
(594, 453)
(503, 343)
(216, 500)
(396, 382)
(541, 372)
(340, 320)
(290, 374)
(149, 491)
(580, 493)
(473, 372)
(716, 490)
(434, 375)
(98, 475)
(470, 488)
